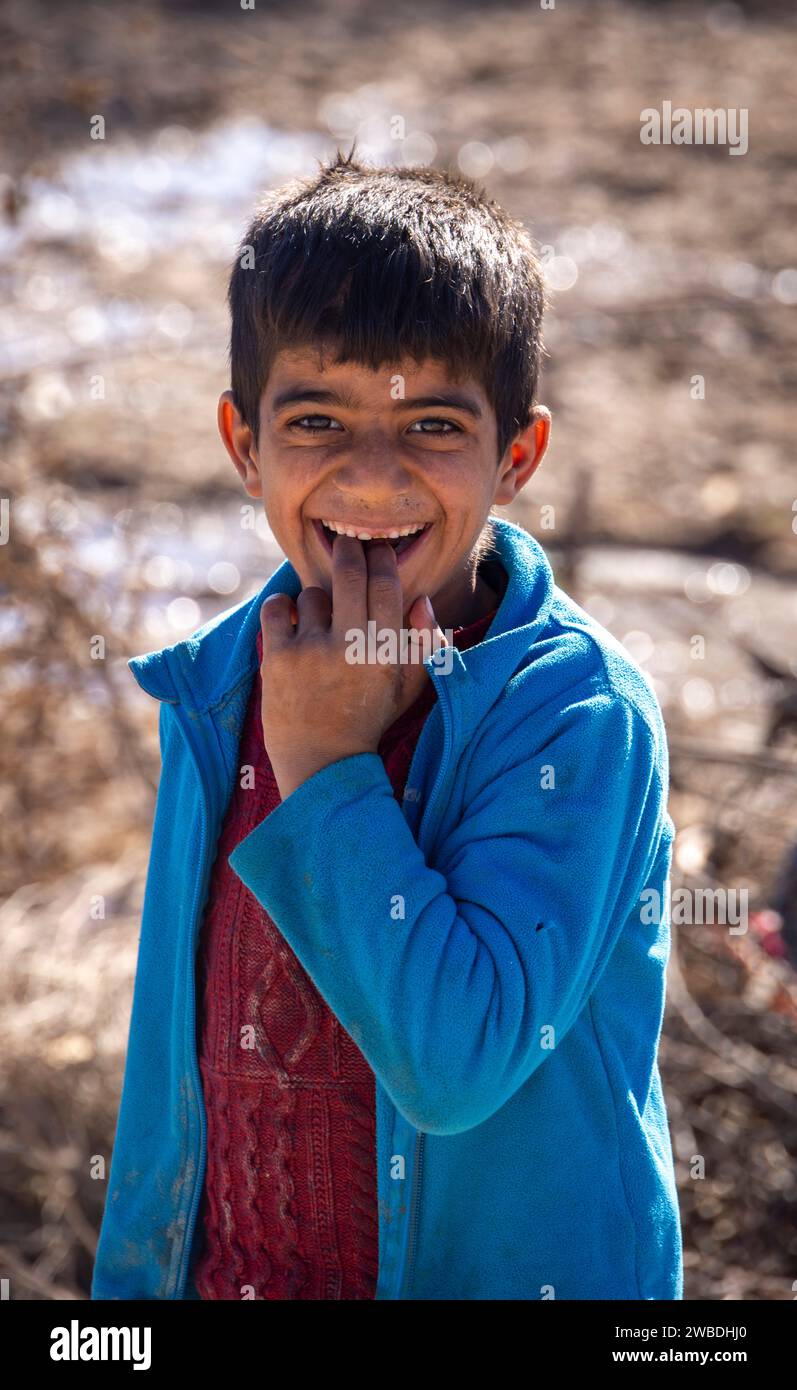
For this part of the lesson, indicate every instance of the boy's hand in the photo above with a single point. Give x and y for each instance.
(319, 707)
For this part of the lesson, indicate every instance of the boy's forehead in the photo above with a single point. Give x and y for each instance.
(311, 367)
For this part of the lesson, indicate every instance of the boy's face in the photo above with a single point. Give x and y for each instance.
(379, 451)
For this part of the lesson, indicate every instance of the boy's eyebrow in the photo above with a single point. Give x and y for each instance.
(459, 400)
(456, 399)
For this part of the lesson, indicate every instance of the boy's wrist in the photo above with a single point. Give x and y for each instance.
(292, 774)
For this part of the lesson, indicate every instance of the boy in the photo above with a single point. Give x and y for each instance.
(398, 1001)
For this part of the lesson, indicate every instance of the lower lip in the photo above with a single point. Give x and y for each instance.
(400, 555)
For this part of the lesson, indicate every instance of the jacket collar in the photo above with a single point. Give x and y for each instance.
(204, 670)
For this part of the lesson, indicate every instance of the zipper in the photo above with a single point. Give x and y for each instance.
(420, 1136)
(198, 1097)
(201, 887)
(447, 741)
(415, 1206)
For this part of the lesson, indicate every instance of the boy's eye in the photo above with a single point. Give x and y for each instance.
(433, 420)
(313, 427)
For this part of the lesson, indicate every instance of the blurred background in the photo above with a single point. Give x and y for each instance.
(667, 502)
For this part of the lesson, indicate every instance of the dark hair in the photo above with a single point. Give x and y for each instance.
(386, 262)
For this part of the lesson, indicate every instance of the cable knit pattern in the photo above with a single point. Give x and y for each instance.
(289, 1205)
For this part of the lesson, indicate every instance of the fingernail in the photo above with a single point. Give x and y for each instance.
(429, 609)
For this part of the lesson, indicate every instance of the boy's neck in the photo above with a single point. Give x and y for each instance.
(485, 599)
(476, 603)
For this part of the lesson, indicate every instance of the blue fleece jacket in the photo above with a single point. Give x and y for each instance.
(486, 944)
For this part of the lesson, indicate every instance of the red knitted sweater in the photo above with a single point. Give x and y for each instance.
(289, 1204)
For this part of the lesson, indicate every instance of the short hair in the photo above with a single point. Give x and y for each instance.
(383, 262)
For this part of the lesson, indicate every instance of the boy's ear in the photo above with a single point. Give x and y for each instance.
(523, 456)
(239, 441)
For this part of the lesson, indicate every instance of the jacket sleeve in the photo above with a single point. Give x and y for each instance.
(456, 978)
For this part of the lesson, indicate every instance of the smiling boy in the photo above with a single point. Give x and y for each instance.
(371, 468)
(397, 1005)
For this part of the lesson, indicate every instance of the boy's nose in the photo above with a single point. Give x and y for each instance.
(373, 468)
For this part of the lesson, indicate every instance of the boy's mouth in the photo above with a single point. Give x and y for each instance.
(403, 545)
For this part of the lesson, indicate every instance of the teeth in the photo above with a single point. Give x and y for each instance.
(371, 535)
